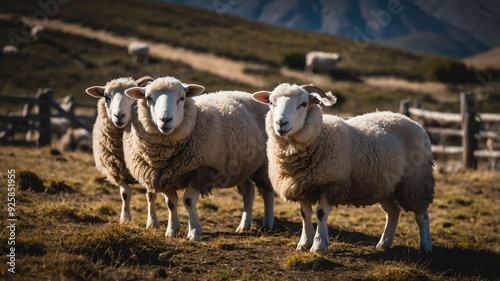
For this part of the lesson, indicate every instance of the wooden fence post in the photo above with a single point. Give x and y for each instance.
(45, 132)
(469, 141)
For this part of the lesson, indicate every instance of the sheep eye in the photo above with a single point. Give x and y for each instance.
(181, 99)
(304, 104)
(107, 98)
(150, 100)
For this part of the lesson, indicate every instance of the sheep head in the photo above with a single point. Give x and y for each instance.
(166, 98)
(118, 105)
(290, 105)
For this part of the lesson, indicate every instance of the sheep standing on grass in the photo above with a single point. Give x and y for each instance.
(139, 51)
(321, 61)
(180, 141)
(10, 50)
(380, 157)
(114, 112)
(75, 140)
(37, 32)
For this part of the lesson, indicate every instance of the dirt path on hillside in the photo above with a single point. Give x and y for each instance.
(211, 63)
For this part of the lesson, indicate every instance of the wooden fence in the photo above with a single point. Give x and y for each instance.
(29, 120)
(473, 129)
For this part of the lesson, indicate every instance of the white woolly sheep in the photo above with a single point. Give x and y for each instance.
(114, 112)
(492, 144)
(321, 61)
(139, 51)
(380, 157)
(9, 50)
(76, 140)
(180, 141)
(37, 32)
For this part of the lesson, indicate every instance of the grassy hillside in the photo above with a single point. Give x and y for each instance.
(69, 64)
(231, 37)
(68, 229)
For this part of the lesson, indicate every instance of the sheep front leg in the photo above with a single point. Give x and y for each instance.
(306, 239)
(268, 197)
(152, 221)
(190, 200)
(247, 190)
(425, 233)
(174, 225)
(126, 194)
(321, 239)
(392, 210)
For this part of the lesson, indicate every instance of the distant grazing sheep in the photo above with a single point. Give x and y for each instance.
(379, 157)
(114, 112)
(37, 32)
(10, 50)
(184, 141)
(492, 144)
(321, 61)
(139, 51)
(76, 140)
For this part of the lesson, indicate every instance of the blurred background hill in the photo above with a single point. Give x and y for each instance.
(371, 76)
(454, 28)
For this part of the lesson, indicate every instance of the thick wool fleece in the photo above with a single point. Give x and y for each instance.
(219, 143)
(107, 142)
(361, 161)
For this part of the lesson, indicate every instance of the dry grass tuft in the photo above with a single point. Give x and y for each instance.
(306, 261)
(29, 180)
(118, 245)
(399, 272)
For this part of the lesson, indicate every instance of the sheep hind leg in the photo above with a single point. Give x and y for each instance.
(152, 220)
(392, 210)
(307, 236)
(173, 225)
(422, 220)
(321, 239)
(268, 197)
(247, 190)
(190, 200)
(125, 194)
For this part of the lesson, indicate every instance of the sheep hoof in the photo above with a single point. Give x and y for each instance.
(193, 235)
(151, 225)
(242, 229)
(381, 247)
(172, 231)
(125, 220)
(303, 247)
(318, 248)
(425, 249)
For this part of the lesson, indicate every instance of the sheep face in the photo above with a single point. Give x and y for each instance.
(118, 105)
(289, 105)
(165, 99)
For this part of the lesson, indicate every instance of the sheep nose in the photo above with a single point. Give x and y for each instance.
(165, 119)
(119, 115)
(281, 123)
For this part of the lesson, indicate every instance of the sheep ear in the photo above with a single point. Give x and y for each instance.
(193, 90)
(138, 93)
(262, 97)
(96, 91)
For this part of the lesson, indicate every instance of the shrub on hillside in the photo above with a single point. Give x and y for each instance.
(294, 60)
(449, 71)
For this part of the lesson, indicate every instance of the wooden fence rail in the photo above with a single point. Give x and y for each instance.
(40, 121)
(470, 128)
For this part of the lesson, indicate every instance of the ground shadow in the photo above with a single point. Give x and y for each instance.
(450, 262)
